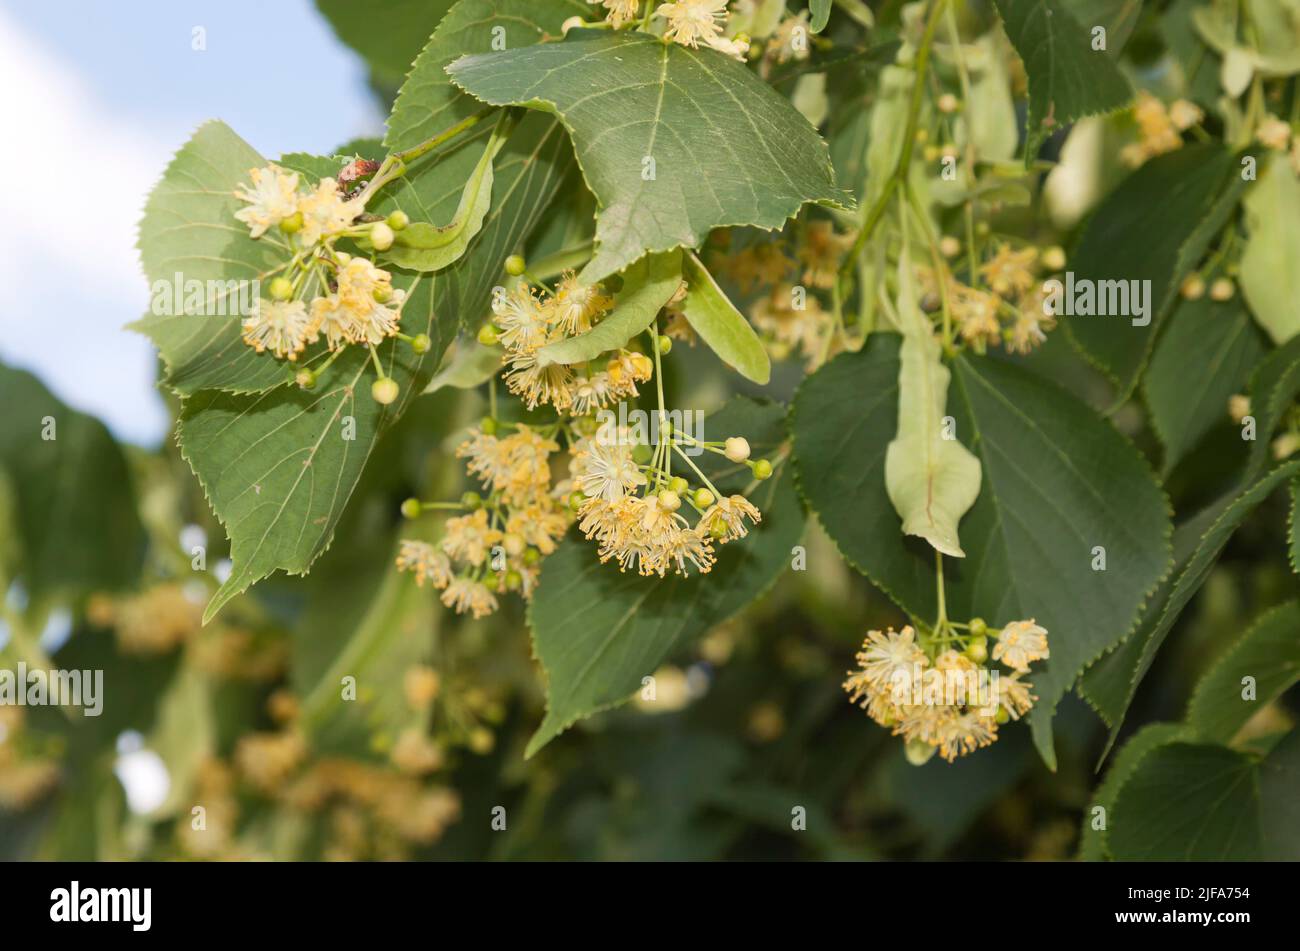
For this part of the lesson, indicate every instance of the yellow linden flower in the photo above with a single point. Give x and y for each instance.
(283, 327)
(821, 251)
(425, 562)
(1013, 695)
(1029, 329)
(782, 47)
(524, 319)
(604, 468)
(628, 368)
(273, 197)
(1010, 273)
(592, 392)
(1020, 644)
(361, 286)
(468, 537)
(576, 306)
(537, 385)
(964, 733)
(803, 329)
(325, 213)
(725, 519)
(1158, 131)
(693, 21)
(686, 548)
(1273, 133)
(882, 656)
(465, 595)
(540, 523)
(620, 11)
(976, 313)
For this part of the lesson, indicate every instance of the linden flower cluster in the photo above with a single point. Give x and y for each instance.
(939, 694)
(634, 512)
(689, 22)
(528, 318)
(498, 545)
(1159, 128)
(321, 292)
(1014, 312)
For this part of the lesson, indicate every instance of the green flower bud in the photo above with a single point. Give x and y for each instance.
(532, 556)
(978, 649)
(762, 469)
(411, 508)
(576, 499)
(472, 500)
(421, 343)
(669, 501)
(513, 579)
(292, 224)
(385, 390)
(488, 425)
(665, 345)
(678, 484)
(977, 627)
(381, 236)
(305, 378)
(382, 294)
(398, 220)
(516, 265)
(281, 288)
(704, 498)
(488, 336)
(918, 752)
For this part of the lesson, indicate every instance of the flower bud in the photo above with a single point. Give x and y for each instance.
(514, 544)
(978, 649)
(1054, 258)
(669, 501)
(381, 236)
(421, 343)
(488, 425)
(678, 484)
(398, 220)
(948, 103)
(665, 345)
(1222, 289)
(762, 469)
(472, 500)
(576, 499)
(411, 508)
(736, 448)
(488, 336)
(305, 378)
(703, 498)
(292, 224)
(281, 288)
(385, 390)
(949, 246)
(516, 265)
(978, 627)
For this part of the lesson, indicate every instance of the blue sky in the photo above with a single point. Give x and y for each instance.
(98, 96)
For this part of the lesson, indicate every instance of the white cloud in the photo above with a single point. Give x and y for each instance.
(75, 180)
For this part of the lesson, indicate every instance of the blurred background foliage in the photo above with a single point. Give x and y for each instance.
(108, 553)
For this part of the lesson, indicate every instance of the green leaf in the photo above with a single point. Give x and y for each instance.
(204, 269)
(724, 329)
(1059, 482)
(673, 141)
(598, 631)
(931, 478)
(1187, 802)
(1279, 806)
(466, 365)
(821, 12)
(1293, 527)
(1092, 842)
(647, 286)
(1153, 228)
(1269, 277)
(1215, 344)
(1109, 685)
(1269, 653)
(422, 246)
(73, 509)
(387, 33)
(392, 636)
(1068, 79)
(1118, 17)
